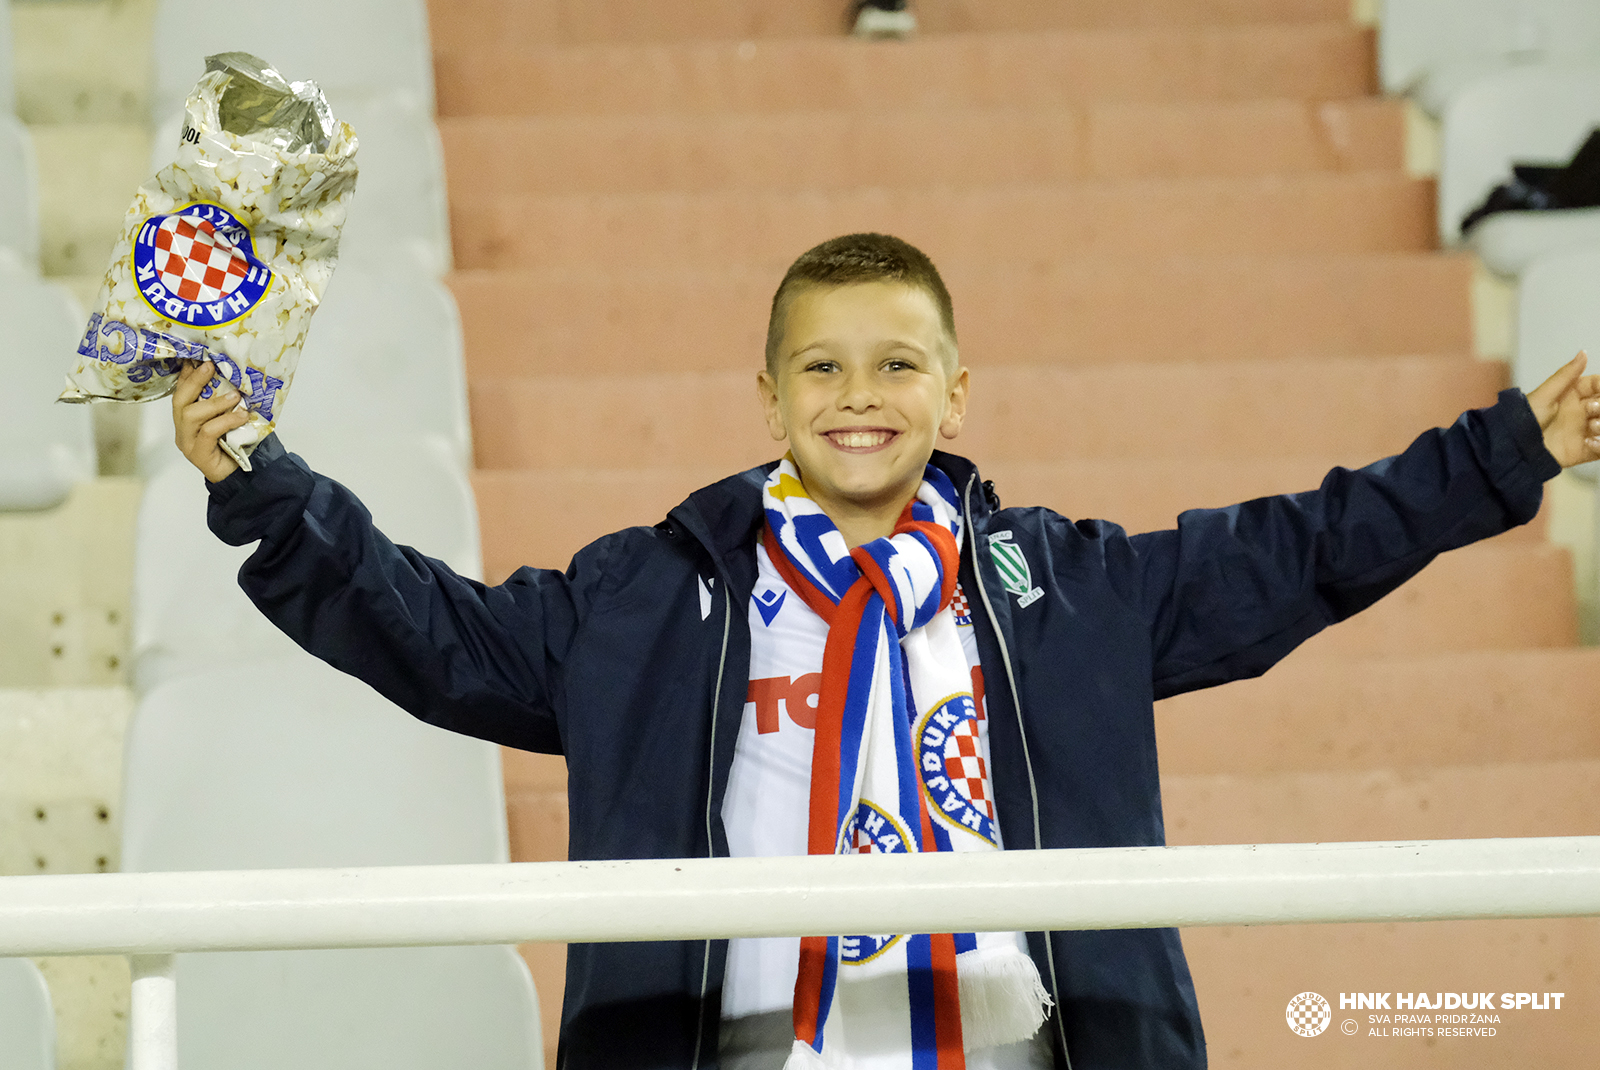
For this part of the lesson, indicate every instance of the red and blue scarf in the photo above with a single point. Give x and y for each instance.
(894, 767)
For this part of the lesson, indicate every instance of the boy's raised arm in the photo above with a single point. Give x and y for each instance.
(1230, 591)
(451, 651)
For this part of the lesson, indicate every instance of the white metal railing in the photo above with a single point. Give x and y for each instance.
(151, 916)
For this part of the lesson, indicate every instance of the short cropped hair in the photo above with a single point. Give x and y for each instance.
(858, 258)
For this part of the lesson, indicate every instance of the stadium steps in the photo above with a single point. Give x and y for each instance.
(809, 151)
(1325, 212)
(572, 22)
(1197, 208)
(508, 74)
(1069, 311)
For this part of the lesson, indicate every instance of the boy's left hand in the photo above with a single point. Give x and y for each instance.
(1567, 406)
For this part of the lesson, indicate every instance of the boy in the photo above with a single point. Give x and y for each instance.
(982, 677)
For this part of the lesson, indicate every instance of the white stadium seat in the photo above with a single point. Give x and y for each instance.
(1558, 313)
(399, 215)
(27, 1023)
(186, 598)
(262, 764)
(1431, 49)
(19, 192)
(258, 762)
(383, 358)
(1522, 115)
(45, 447)
(352, 49)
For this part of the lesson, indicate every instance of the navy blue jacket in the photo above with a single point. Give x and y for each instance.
(614, 664)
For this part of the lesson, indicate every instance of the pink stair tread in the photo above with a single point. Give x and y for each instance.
(463, 24)
(1366, 212)
(494, 75)
(1090, 311)
(496, 156)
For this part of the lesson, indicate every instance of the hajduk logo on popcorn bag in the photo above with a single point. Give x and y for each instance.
(197, 266)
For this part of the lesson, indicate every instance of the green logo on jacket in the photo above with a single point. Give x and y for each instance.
(1013, 569)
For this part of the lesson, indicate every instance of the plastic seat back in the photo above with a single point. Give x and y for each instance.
(288, 764)
(352, 49)
(1522, 115)
(27, 1023)
(427, 1008)
(45, 447)
(399, 215)
(1449, 39)
(384, 354)
(1558, 313)
(188, 610)
(19, 189)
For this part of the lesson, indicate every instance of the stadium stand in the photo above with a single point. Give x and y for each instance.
(303, 39)
(19, 192)
(1200, 205)
(1533, 114)
(27, 1021)
(45, 448)
(291, 764)
(1433, 49)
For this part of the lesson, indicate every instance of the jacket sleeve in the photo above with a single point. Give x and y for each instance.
(484, 661)
(1231, 591)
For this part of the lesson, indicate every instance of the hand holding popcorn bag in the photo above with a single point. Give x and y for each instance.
(225, 253)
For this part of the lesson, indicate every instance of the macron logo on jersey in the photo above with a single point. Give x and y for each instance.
(768, 603)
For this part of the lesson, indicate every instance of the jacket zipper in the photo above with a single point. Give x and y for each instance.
(1022, 733)
(711, 850)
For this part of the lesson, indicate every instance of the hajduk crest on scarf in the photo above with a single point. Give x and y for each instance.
(895, 683)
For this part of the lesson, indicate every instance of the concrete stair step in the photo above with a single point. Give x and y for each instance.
(1089, 311)
(465, 23)
(1245, 977)
(507, 73)
(491, 156)
(1355, 410)
(1491, 800)
(1328, 213)
(1516, 594)
(1312, 714)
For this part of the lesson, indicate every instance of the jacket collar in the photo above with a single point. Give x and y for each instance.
(726, 516)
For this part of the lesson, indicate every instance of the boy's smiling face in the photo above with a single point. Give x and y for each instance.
(862, 390)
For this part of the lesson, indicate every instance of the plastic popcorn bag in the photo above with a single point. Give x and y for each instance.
(225, 253)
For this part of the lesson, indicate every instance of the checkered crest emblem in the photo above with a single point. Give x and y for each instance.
(954, 774)
(1309, 1014)
(197, 266)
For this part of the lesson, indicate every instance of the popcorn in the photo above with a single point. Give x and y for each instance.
(226, 252)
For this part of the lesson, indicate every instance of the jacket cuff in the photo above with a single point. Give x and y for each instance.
(1521, 471)
(248, 506)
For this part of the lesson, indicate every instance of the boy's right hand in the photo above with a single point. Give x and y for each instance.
(200, 424)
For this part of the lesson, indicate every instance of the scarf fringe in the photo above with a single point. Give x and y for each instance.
(803, 1057)
(1002, 999)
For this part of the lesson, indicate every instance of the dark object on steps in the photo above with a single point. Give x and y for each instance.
(1541, 187)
